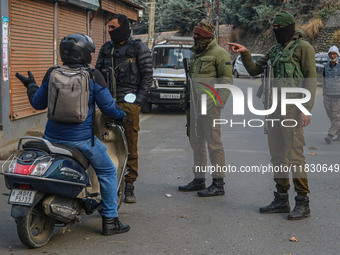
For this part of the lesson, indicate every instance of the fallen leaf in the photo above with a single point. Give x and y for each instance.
(168, 195)
(86, 238)
(293, 239)
(313, 153)
(182, 217)
(312, 148)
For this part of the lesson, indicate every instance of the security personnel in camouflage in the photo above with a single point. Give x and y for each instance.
(210, 64)
(132, 64)
(293, 59)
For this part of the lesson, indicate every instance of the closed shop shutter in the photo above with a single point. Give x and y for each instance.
(71, 20)
(97, 34)
(31, 48)
(120, 8)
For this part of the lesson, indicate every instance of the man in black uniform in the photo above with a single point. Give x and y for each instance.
(132, 73)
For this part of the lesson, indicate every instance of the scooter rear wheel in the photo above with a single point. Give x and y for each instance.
(35, 229)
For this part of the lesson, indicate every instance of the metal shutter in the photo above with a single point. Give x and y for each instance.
(97, 34)
(120, 8)
(71, 20)
(31, 48)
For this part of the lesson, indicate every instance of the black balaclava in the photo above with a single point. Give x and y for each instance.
(284, 34)
(287, 31)
(123, 32)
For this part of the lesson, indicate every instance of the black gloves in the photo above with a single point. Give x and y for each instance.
(26, 80)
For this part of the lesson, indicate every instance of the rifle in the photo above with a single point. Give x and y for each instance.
(110, 80)
(265, 92)
(192, 100)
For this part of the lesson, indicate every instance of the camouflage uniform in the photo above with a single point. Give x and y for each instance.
(293, 60)
(209, 66)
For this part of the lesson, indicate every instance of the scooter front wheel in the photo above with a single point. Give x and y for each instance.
(35, 228)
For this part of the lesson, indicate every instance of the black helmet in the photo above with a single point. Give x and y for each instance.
(76, 49)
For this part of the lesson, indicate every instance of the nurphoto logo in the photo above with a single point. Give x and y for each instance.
(238, 99)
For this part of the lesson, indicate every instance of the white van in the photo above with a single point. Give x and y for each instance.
(239, 68)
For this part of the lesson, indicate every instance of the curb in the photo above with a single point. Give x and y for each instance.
(10, 148)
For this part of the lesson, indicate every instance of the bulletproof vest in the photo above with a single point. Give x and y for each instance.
(331, 85)
(285, 66)
(125, 63)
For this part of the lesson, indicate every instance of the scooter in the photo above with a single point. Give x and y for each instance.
(53, 184)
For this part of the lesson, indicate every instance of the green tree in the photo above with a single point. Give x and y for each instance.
(253, 16)
(183, 15)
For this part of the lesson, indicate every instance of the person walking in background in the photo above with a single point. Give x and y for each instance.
(331, 93)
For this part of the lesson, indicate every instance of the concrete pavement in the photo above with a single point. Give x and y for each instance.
(186, 224)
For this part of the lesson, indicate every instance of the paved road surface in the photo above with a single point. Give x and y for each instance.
(187, 224)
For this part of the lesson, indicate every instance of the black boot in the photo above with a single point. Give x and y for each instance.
(280, 204)
(329, 138)
(113, 226)
(196, 184)
(301, 209)
(215, 189)
(129, 195)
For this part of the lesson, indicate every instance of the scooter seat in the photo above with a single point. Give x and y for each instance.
(76, 154)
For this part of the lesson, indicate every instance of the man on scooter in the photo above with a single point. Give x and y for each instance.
(75, 52)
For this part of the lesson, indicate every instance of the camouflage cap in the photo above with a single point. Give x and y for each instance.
(284, 18)
(205, 29)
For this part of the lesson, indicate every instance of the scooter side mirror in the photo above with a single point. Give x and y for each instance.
(130, 98)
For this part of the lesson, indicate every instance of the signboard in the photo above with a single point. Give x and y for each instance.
(5, 22)
(87, 4)
(5, 27)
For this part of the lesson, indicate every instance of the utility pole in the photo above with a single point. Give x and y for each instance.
(152, 23)
(214, 15)
(217, 17)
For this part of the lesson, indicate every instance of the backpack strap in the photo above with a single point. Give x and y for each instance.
(93, 107)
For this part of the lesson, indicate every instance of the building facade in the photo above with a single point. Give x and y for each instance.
(30, 34)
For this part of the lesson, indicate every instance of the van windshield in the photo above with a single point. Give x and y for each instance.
(170, 57)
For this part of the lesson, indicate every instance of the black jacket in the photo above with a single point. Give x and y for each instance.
(133, 68)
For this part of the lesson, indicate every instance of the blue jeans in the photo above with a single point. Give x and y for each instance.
(104, 168)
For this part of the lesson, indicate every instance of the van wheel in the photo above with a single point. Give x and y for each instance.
(236, 75)
(146, 107)
(35, 228)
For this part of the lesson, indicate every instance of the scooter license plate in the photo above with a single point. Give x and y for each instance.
(21, 197)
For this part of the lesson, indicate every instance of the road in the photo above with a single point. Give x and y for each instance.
(187, 224)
